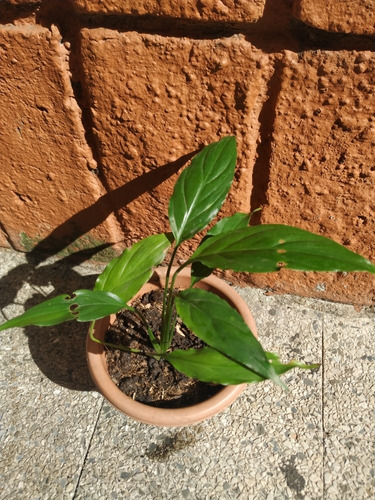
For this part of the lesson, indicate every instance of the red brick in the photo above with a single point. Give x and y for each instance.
(322, 173)
(212, 10)
(154, 99)
(45, 160)
(3, 239)
(24, 2)
(354, 16)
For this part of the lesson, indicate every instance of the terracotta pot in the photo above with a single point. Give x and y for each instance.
(161, 416)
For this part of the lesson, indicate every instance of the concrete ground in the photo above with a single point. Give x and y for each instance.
(61, 440)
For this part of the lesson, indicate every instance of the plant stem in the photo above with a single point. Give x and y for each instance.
(119, 346)
(168, 319)
(109, 344)
(150, 333)
(167, 305)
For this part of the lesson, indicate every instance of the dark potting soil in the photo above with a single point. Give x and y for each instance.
(146, 379)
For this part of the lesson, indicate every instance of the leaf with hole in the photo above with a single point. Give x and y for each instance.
(236, 221)
(84, 305)
(50, 312)
(267, 248)
(89, 305)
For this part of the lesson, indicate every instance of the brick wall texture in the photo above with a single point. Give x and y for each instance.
(103, 101)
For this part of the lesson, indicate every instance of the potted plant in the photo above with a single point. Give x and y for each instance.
(231, 355)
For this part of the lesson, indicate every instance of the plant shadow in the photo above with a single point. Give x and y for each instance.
(60, 351)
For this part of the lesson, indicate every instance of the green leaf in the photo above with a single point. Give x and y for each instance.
(220, 326)
(126, 274)
(47, 313)
(230, 223)
(199, 270)
(201, 189)
(89, 305)
(84, 305)
(209, 365)
(267, 248)
(281, 368)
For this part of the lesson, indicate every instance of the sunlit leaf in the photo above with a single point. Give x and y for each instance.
(209, 365)
(201, 189)
(89, 305)
(84, 305)
(47, 313)
(236, 221)
(230, 223)
(126, 274)
(281, 368)
(267, 248)
(220, 326)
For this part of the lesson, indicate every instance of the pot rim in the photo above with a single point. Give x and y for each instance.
(175, 417)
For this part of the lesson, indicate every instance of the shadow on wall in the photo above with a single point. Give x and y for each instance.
(277, 30)
(59, 351)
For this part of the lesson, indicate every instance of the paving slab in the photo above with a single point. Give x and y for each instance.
(48, 408)
(61, 439)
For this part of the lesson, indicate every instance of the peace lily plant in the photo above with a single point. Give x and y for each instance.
(232, 354)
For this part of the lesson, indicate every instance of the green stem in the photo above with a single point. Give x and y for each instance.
(119, 346)
(150, 333)
(173, 322)
(169, 322)
(165, 319)
(167, 277)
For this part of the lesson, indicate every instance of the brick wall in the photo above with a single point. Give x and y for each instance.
(103, 101)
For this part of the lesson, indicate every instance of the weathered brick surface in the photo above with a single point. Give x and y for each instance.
(322, 173)
(168, 78)
(154, 99)
(45, 177)
(3, 239)
(355, 16)
(211, 10)
(24, 2)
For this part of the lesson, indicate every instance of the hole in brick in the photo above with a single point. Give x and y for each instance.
(340, 124)
(361, 220)
(342, 158)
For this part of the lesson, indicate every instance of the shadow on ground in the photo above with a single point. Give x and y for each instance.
(59, 351)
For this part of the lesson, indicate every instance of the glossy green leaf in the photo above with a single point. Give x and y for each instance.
(84, 305)
(236, 221)
(209, 365)
(201, 189)
(47, 313)
(220, 326)
(267, 248)
(89, 305)
(281, 368)
(230, 223)
(126, 274)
